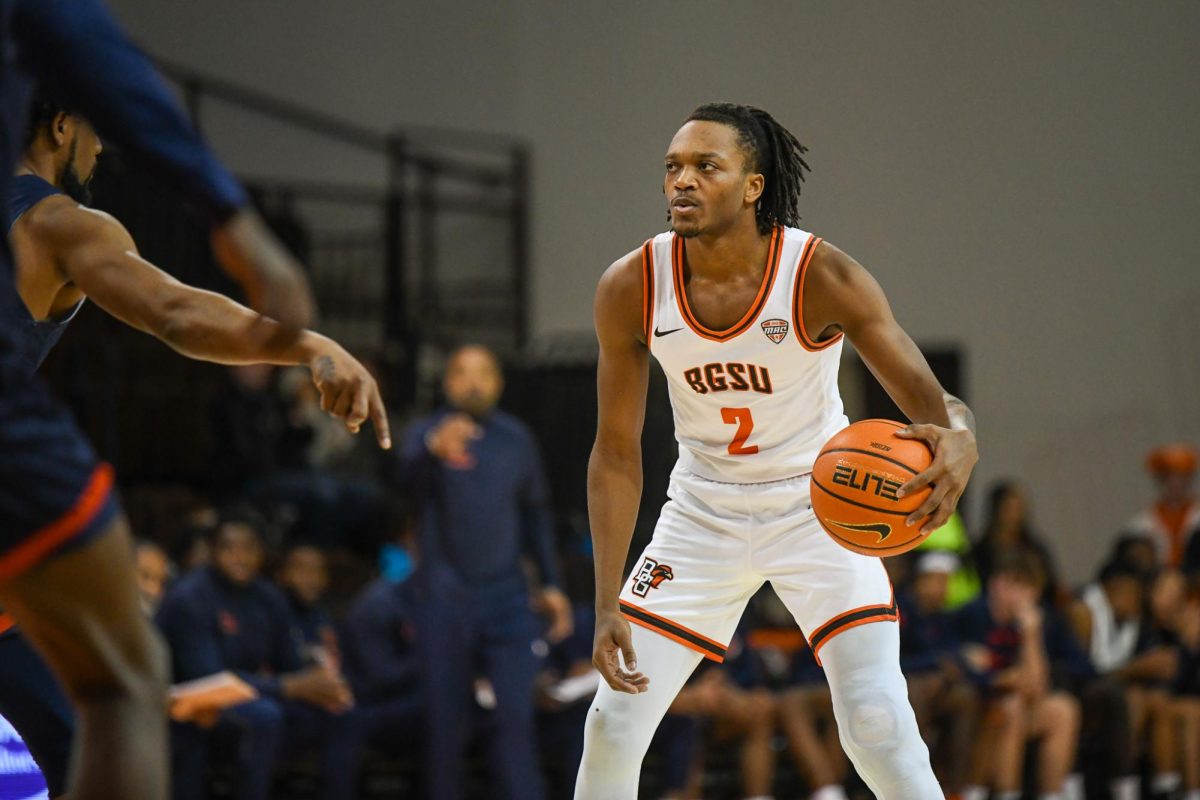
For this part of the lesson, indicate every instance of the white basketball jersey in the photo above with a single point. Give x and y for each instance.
(755, 402)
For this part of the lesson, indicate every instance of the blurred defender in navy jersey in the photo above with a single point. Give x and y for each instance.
(66, 252)
(65, 569)
(482, 504)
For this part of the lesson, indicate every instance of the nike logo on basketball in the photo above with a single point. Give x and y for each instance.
(882, 528)
(658, 333)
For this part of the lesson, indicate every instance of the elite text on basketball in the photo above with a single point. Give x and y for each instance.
(878, 485)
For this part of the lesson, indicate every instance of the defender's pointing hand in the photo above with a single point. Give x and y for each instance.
(348, 391)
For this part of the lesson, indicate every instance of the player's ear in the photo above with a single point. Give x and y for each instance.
(61, 128)
(755, 183)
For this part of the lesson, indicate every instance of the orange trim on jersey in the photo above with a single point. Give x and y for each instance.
(852, 619)
(648, 289)
(764, 290)
(69, 525)
(710, 649)
(798, 301)
(6, 622)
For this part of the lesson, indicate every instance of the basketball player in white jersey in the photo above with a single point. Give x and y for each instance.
(746, 315)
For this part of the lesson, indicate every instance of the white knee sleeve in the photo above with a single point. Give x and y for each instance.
(620, 726)
(876, 724)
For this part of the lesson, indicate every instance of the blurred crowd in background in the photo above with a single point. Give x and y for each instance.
(423, 629)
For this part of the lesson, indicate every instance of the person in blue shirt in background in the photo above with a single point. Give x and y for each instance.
(304, 576)
(481, 502)
(946, 703)
(1021, 652)
(379, 641)
(227, 617)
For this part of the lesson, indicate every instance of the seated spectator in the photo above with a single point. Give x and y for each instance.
(565, 688)
(1161, 642)
(1009, 643)
(153, 570)
(739, 715)
(192, 547)
(1173, 521)
(1008, 529)
(676, 748)
(381, 659)
(781, 659)
(947, 705)
(1137, 552)
(1183, 712)
(304, 577)
(226, 617)
(1107, 620)
(952, 538)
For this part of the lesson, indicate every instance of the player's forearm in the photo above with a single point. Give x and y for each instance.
(614, 494)
(211, 327)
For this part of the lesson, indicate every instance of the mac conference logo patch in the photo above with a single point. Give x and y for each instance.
(775, 329)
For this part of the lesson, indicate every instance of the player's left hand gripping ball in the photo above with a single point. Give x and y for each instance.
(954, 456)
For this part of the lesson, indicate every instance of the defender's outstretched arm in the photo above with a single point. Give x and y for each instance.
(95, 252)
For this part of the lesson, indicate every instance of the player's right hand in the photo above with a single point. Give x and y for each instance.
(274, 282)
(348, 391)
(613, 646)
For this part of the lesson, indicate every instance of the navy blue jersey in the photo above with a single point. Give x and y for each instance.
(37, 337)
(25, 193)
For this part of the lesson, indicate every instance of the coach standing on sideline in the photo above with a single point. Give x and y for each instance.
(480, 491)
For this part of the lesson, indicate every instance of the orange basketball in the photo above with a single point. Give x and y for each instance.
(854, 485)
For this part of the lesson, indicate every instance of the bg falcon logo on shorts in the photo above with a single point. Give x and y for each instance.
(775, 329)
(650, 576)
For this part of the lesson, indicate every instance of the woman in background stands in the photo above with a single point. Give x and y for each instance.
(1008, 530)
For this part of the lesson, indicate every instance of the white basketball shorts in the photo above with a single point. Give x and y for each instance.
(716, 543)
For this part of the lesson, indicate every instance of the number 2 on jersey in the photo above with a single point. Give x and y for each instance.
(740, 417)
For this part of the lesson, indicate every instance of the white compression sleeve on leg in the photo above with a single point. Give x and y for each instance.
(620, 726)
(876, 724)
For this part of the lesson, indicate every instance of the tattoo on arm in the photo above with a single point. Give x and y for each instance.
(325, 368)
(959, 413)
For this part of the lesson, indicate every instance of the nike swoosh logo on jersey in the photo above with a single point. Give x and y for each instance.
(658, 333)
(882, 528)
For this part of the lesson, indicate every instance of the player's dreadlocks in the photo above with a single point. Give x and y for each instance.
(773, 151)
